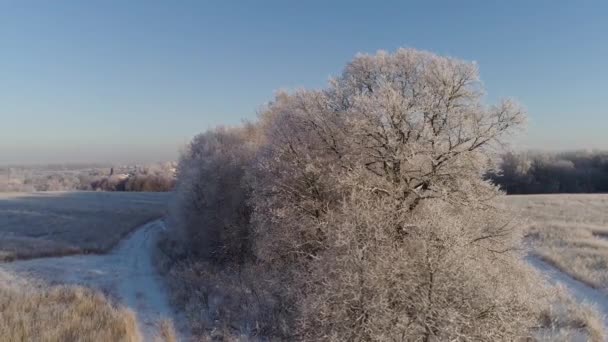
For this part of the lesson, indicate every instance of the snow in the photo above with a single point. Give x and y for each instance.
(127, 273)
(580, 291)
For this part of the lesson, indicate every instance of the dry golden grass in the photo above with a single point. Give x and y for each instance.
(570, 321)
(31, 312)
(567, 320)
(568, 231)
(166, 332)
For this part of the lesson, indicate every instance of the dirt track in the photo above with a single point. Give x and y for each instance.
(126, 274)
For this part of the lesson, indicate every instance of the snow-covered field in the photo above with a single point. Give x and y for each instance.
(125, 274)
(111, 238)
(62, 223)
(569, 232)
(566, 239)
(579, 291)
(567, 235)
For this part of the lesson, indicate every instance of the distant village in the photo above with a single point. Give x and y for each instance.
(91, 177)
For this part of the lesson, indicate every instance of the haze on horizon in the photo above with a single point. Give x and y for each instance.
(134, 81)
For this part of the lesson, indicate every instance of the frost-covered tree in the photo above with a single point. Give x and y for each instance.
(363, 209)
(371, 211)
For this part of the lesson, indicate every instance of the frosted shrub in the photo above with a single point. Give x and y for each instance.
(211, 209)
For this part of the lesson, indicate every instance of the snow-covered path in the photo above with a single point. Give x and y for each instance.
(126, 273)
(580, 291)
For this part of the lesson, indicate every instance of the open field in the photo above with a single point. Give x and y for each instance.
(62, 223)
(126, 275)
(563, 230)
(568, 231)
(114, 296)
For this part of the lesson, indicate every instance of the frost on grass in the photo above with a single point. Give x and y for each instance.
(569, 232)
(62, 223)
(127, 275)
(35, 312)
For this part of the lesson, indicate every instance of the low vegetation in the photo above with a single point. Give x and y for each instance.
(570, 232)
(567, 320)
(223, 303)
(31, 312)
(362, 212)
(61, 223)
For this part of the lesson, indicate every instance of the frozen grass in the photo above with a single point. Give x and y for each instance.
(126, 274)
(569, 232)
(61, 223)
(31, 312)
(578, 312)
(220, 303)
(166, 332)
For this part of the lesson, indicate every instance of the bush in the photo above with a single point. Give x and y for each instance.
(149, 183)
(211, 209)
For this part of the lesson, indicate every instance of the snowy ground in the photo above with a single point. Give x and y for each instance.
(34, 225)
(126, 274)
(581, 292)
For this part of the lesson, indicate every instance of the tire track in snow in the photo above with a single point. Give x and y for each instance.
(581, 292)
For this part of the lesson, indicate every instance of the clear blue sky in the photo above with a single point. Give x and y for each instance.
(134, 80)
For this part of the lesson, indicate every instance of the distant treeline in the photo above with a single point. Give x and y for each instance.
(152, 178)
(145, 182)
(563, 172)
